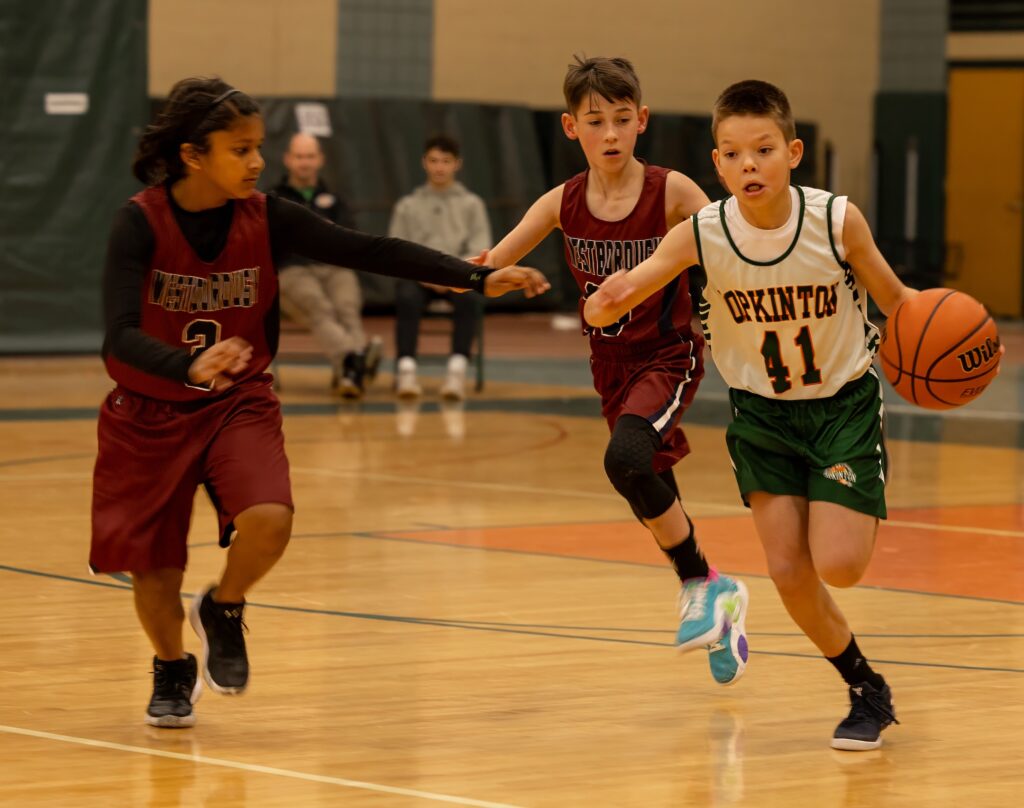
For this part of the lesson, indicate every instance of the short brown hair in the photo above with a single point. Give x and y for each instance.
(614, 79)
(757, 98)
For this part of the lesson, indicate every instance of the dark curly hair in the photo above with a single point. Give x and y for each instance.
(195, 108)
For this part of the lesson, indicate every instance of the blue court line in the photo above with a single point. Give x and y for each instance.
(28, 461)
(59, 577)
(375, 536)
(783, 634)
(470, 626)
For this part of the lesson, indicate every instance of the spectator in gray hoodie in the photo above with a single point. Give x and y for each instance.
(444, 215)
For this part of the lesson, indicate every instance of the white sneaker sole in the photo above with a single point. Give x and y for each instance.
(172, 721)
(739, 629)
(851, 745)
(179, 721)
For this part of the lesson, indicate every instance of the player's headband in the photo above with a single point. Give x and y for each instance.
(216, 101)
(209, 109)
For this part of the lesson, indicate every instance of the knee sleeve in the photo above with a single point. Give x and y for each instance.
(629, 464)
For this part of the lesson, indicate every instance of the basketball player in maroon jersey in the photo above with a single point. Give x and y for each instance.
(191, 310)
(648, 365)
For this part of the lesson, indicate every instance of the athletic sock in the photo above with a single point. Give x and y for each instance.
(854, 668)
(686, 557)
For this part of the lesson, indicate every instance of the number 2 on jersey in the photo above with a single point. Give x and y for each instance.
(200, 335)
(778, 371)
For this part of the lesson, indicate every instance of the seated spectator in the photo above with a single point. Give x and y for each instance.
(326, 299)
(444, 215)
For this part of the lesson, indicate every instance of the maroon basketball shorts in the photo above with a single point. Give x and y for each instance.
(655, 381)
(154, 454)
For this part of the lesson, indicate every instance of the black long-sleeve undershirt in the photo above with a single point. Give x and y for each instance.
(293, 229)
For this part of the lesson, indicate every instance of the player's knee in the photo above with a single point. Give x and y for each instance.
(279, 527)
(841, 573)
(630, 452)
(792, 576)
(622, 471)
(269, 523)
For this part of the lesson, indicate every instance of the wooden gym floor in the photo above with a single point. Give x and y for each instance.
(468, 614)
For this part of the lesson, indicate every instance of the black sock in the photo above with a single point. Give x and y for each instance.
(854, 668)
(686, 557)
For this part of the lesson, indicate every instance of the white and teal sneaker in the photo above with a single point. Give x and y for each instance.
(701, 613)
(728, 655)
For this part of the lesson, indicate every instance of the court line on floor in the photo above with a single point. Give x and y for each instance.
(29, 461)
(482, 486)
(254, 767)
(780, 634)
(375, 536)
(582, 396)
(985, 531)
(469, 626)
(735, 510)
(408, 480)
(372, 536)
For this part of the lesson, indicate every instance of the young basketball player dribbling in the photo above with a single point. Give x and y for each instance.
(191, 308)
(785, 314)
(648, 364)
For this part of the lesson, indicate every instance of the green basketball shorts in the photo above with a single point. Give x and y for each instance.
(829, 449)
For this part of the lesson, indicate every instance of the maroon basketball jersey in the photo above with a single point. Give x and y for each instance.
(595, 249)
(191, 304)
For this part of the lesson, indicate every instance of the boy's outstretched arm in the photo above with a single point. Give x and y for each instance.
(625, 289)
(533, 228)
(869, 265)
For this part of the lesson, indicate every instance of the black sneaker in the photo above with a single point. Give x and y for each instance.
(871, 711)
(176, 687)
(350, 383)
(220, 627)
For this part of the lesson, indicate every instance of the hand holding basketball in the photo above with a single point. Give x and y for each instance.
(940, 349)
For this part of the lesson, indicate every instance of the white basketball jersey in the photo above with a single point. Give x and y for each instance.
(789, 326)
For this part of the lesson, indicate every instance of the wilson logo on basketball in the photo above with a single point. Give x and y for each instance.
(978, 355)
(842, 474)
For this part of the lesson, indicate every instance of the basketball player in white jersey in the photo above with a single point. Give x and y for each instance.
(785, 316)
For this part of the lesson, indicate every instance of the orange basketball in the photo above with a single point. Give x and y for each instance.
(940, 349)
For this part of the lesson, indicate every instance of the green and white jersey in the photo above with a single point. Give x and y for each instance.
(782, 311)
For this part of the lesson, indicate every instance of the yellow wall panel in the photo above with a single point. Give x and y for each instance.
(265, 47)
(823, 54)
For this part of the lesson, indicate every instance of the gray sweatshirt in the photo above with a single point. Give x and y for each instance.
(453, 221)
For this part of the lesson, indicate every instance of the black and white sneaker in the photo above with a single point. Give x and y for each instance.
(221, 628)
(871, 711)
(176, 687)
